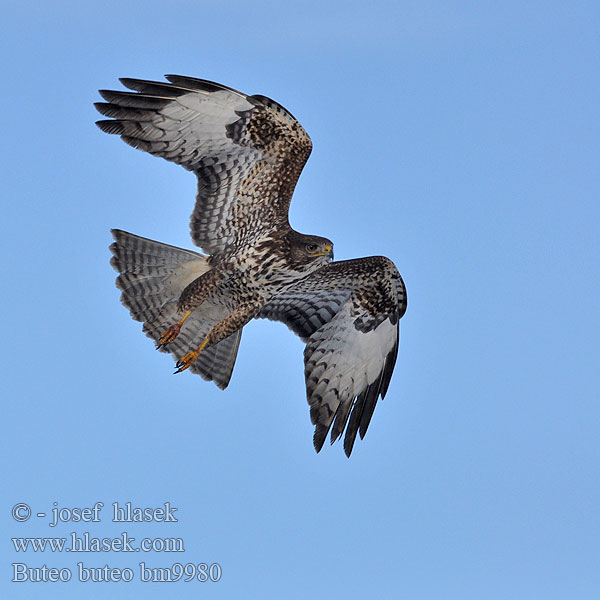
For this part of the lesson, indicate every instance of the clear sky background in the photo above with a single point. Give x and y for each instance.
(458, 138)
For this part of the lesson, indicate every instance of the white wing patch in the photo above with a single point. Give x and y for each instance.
(345, 367)
(194, 127)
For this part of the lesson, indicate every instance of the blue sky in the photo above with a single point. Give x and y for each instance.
(458, 138)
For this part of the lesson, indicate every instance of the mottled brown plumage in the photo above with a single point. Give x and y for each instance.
(247, 153)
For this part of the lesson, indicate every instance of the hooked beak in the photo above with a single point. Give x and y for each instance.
(328, 252)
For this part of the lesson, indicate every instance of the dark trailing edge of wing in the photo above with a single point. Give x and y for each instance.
(360, 411)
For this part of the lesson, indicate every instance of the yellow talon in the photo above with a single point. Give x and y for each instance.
(172, 332)
(169, 335)
(184, 362)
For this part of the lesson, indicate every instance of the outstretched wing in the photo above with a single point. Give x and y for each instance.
(348, 314)
(247, 152)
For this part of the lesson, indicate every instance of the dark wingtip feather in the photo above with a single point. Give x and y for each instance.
(362, 411)
(355, 417)
(135, 99)
(115, 111)
(112, 127)
(349, 444)
(202, 85)
(157, 88)
(341, 418)
(369, 407)
(390, 363)
(107, 94)
(103, 107)
(319, 437)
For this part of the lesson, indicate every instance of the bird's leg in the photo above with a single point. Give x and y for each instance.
(220, 331)
(191, 298)
(173, 331)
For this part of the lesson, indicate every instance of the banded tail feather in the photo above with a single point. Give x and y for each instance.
(152, 276)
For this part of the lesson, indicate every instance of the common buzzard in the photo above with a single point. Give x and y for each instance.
(247, 153)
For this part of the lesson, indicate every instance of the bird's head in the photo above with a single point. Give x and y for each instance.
(310, 251)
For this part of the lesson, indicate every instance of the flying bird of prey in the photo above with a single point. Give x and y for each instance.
(247, 153)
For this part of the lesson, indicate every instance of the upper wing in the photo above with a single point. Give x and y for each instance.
(247, 151)
(348, 313)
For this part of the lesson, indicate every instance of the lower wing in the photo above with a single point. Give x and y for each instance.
(348, 314)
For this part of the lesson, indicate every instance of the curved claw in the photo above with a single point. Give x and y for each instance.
(184, 362)
(169, 335)
(172, 332)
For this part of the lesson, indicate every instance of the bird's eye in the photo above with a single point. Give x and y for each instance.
(311, 247)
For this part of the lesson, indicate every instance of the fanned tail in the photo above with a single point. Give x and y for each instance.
(152, 276)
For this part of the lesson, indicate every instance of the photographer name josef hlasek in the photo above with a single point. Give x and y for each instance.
(126, 513)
